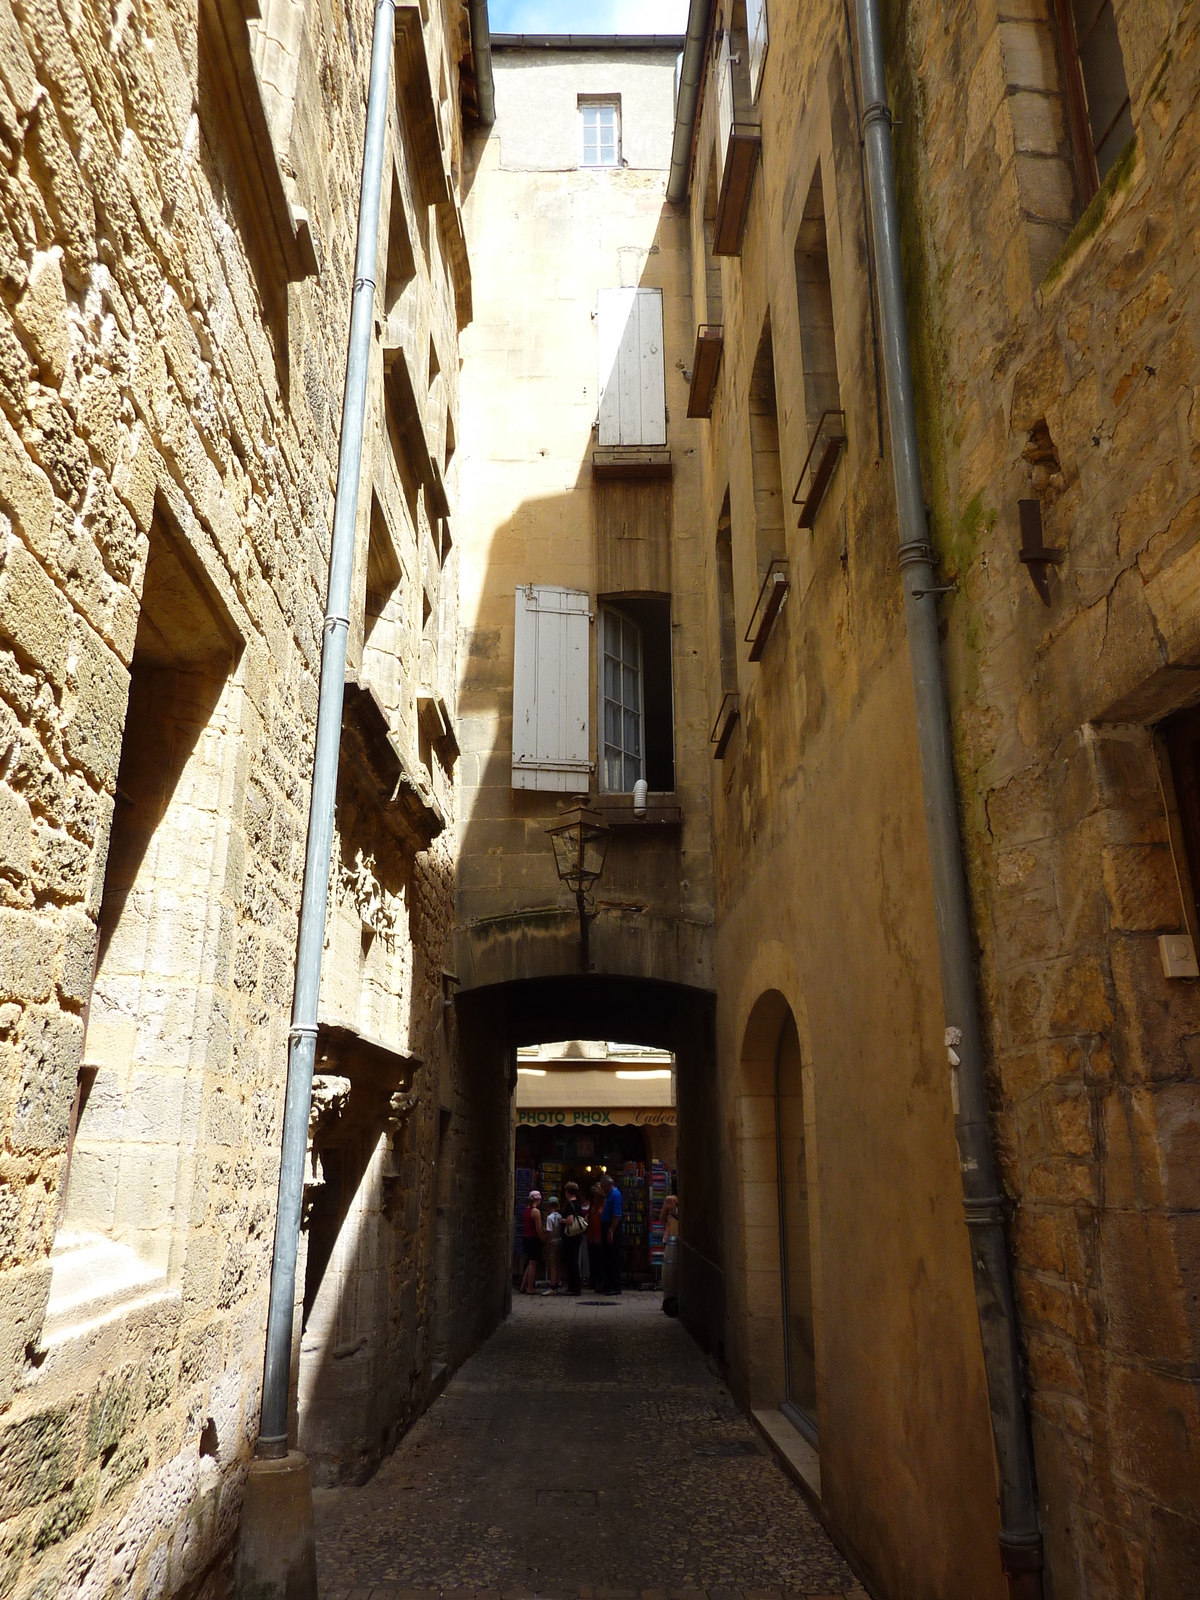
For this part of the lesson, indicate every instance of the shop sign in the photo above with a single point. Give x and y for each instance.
(582, 1118)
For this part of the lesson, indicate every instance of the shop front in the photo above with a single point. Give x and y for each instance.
(581, 1115)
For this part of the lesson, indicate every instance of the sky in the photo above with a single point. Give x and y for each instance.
(588, 16)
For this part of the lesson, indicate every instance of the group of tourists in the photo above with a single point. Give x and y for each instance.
(578, 1238)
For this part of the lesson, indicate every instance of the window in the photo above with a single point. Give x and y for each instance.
(635, 694)
(632, 375)
(1180, 736)
(726, 616)
(152, 1048)
(764, 446)
(712, 266)
(1097, 93)
(622, 702)
(600, 130)
(814, 296)
(383, 621)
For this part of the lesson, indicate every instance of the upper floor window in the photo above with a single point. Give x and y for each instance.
(622, 698)
(600, 130)
(1097, 92)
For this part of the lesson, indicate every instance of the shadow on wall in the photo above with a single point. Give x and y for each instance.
(406, 1198)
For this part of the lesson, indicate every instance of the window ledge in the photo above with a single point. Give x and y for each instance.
(407, 804)
(819, 464)
(617, 811)
(770, 603)
(737, 180)
(632, 461)
(706, 365)
(727, 720)
(437, 721)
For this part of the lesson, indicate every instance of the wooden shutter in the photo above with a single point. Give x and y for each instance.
(756, 23)
(632, 370)
(550, 690)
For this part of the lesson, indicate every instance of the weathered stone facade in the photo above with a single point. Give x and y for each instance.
(1060, 364)
(180, 193)
(1054, 345)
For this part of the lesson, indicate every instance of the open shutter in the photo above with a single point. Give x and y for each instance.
(756, 25)
(632, 370)
(550, 690)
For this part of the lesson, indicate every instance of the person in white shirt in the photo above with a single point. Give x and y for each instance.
(553, 1244)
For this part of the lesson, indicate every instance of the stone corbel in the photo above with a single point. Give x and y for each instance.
(330, 1095)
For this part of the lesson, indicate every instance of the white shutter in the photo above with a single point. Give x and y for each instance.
(756, 23)
(550, 690)
(632, 369)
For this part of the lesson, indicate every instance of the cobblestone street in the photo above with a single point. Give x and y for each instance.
(586, 1449)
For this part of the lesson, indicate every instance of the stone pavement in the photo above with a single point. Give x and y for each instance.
(586, 1450)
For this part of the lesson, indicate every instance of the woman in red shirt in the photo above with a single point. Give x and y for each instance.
(534, 1232)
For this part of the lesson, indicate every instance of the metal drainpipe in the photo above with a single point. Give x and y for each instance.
(1020, 1535)
(690, 79)
(302, 1037)
(481, 54)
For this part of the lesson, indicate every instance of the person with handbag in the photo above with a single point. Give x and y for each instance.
(573, 1229)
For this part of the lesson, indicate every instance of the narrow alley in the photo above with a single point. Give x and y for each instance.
(599, 677)
(587, 1448)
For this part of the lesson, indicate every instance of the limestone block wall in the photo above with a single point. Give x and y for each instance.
(1063, 368)
(1054, 349)
(175, 271)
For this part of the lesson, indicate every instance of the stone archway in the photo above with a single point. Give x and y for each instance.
(773, 1180)
(494, 1019)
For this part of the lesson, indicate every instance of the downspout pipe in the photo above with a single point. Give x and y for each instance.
(1020, 1535)
(302, 1036)
(690, 78)
(481, 54)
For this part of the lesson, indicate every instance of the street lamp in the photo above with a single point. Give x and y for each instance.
(580, 839)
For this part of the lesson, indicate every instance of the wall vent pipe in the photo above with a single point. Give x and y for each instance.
(691, 76)
(1020, 1535)
(302, 1036)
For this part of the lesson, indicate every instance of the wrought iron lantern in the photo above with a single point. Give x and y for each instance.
(580, 840)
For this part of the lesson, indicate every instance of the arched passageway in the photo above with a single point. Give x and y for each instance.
(496, 1019)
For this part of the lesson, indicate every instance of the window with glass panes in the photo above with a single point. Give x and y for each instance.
(601, 133)
(622, 765)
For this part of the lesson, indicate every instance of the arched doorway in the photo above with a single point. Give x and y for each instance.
(774, 1165)
(795, 1252)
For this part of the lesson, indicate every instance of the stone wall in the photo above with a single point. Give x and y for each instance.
(179, 198)
(1054, 345)
(1058, 363)
(823, 904)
